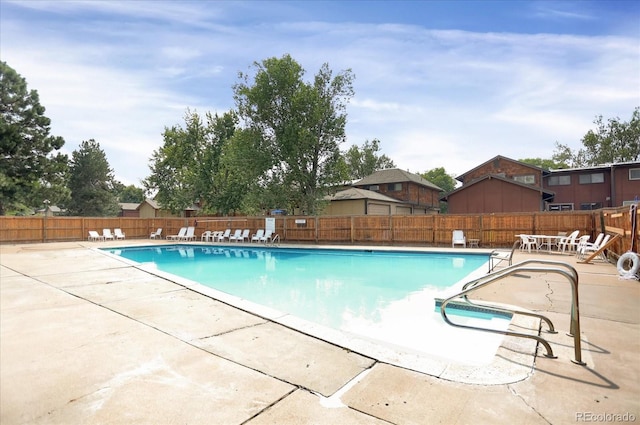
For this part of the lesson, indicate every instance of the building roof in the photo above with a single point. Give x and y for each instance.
(128, 205)
(545, 192)
(355, 193)
(395, 175)
(151, 202)
(461, 177)
(597, 167)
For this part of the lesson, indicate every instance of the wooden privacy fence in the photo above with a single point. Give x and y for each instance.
(492, 230)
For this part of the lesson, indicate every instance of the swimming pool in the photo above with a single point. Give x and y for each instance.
(380, 296)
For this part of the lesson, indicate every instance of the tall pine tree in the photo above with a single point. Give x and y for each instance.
(91, 182)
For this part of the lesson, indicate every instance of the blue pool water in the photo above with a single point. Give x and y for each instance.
(386, 295)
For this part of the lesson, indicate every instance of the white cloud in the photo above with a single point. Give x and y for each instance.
(434, 98)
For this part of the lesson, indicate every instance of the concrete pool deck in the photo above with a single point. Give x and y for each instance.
(87, 338)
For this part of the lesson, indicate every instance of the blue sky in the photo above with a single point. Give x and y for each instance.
(440, 83)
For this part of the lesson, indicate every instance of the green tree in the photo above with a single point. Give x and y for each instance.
(611, 142)
(210, 185)
(444, 181)
(172, 165)
(546, 164)
(563, 156)
(131, 193)
(30, 170)
(301, 125)
(184, 169)
(91, 182)
(240, 183)
(615, 141)
(364, 161)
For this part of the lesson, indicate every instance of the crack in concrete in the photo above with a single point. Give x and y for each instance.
(513, 391)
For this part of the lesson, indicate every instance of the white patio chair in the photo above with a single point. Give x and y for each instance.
(527, 242)
(95, 236)
(570, 240)
(106, 234)
(586, 249)
(268, 235)
(244, 237)
(190, 234)
(458, 238)
(257, 236)
(180, 235)
(224, 236)
(237, 235)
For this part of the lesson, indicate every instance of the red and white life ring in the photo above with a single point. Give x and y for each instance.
(631, 259)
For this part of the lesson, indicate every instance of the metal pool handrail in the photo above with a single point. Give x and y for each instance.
(570, 269)
(563, 269)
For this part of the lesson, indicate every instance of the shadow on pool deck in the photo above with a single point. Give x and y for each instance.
(86, 338)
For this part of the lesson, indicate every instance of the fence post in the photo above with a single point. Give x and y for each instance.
(351, 230)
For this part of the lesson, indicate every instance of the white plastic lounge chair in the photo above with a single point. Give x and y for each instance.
(118, 233)
(458, 238)
(224, 236)
(180, 235)
(244, 237)
(582, 244)
(268, 234)
(106, 234)
(205, 236)
(236, 235)
(190, 235)
(157, 234)
(587, 248)
(95, 236)
(256, 236)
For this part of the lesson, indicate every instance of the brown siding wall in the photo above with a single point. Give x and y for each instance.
(491, 195)
(348, 207)
(623, 188)
(502, 165)
(578, 194)
(412, 193)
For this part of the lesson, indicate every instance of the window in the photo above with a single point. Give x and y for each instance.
(591, 178)
(374, 187)
(591, 206)
(559, 180)
(634, 174)
(560, 207)
(526, 179)
(394, 187)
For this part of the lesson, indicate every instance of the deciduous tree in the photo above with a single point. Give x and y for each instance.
(184, 170)
(611, 142)
(440, 178)
(301, 125)
(365, 160)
